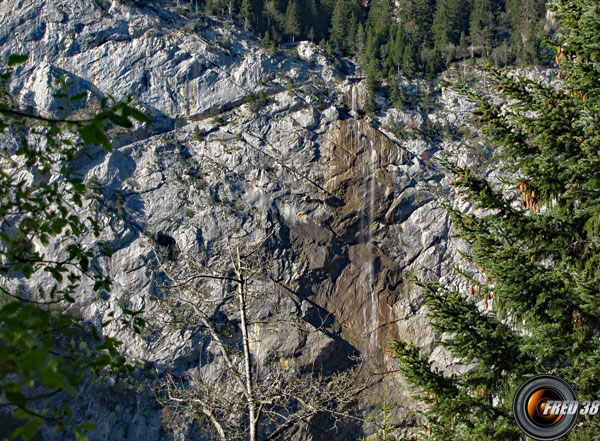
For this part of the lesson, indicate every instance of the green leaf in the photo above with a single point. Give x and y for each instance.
(85, 263)
(28, 430)
(88, 425)
(20, 414)
(55, 380)
(11, 308)
(120, 120)
(15, 59)
(79, 96)
(16, 398)
(105, 249)
(35, 358)
(79, 435)
(27, 271)
(135, 114)
(91, 135)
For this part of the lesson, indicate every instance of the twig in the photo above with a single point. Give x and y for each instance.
(21, 299)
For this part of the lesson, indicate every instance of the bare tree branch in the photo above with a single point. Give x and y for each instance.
(247, 400)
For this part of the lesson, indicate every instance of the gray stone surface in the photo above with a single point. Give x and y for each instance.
(354, 211)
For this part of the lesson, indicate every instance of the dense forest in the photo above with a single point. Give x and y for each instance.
(413, 37)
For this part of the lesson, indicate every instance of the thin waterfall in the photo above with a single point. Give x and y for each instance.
(366, 278)
(371, 270)
(354, 101)
(362, 173)
(367, 168)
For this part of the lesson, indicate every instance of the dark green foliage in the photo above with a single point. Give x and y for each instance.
(451, 18)
(262, 98)
(246, 14)
(533, 306)
(339, 22)
(527, 20)
(216, 7)
(372, 85)
(372, 81)
(291, 22)
(40, 344)
(500, 31)
(482, 26)
(431, 130)
(409, 65)
(435, 64)
(370, 106)
(267, 43)
(372, 78)
(417, 16)
(396, 95)
(93, 187)
(377, 31)
(251, 101)
(311, 34)
(289, 84)
(462, 45)
(256, 102)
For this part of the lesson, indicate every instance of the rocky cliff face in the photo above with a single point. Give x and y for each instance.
(351, 210)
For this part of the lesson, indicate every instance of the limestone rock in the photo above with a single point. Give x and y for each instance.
(351, 210)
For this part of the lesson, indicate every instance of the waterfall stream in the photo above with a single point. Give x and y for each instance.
(367, 170)
(374, 301)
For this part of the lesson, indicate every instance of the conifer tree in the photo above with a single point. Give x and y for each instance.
(246, 14)
(350, 40)
(339, 25)
(216, 7)
(360, 38)
(372, 76)
(321, 20)
(272, 14)
(533, 306)
(409, 66)
(292, 20)
(449, 21)
(417, 17)
(434, 63)
(397, 97)
(480, 24)
(378, 22)
(308, 13)
(532, 47)
(372, 82)
(516, 43)
(526, 17)
(462, 45)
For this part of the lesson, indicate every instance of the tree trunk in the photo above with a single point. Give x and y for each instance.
(250, 399)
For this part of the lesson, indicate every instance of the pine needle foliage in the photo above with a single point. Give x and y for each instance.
(534, 305)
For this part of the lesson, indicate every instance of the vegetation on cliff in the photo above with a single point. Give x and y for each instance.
(46, 349)
(532, 307)
(502, 31)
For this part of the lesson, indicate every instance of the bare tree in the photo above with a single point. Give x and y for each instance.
(245, 397)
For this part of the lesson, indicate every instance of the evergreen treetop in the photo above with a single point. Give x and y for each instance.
(292, 20)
